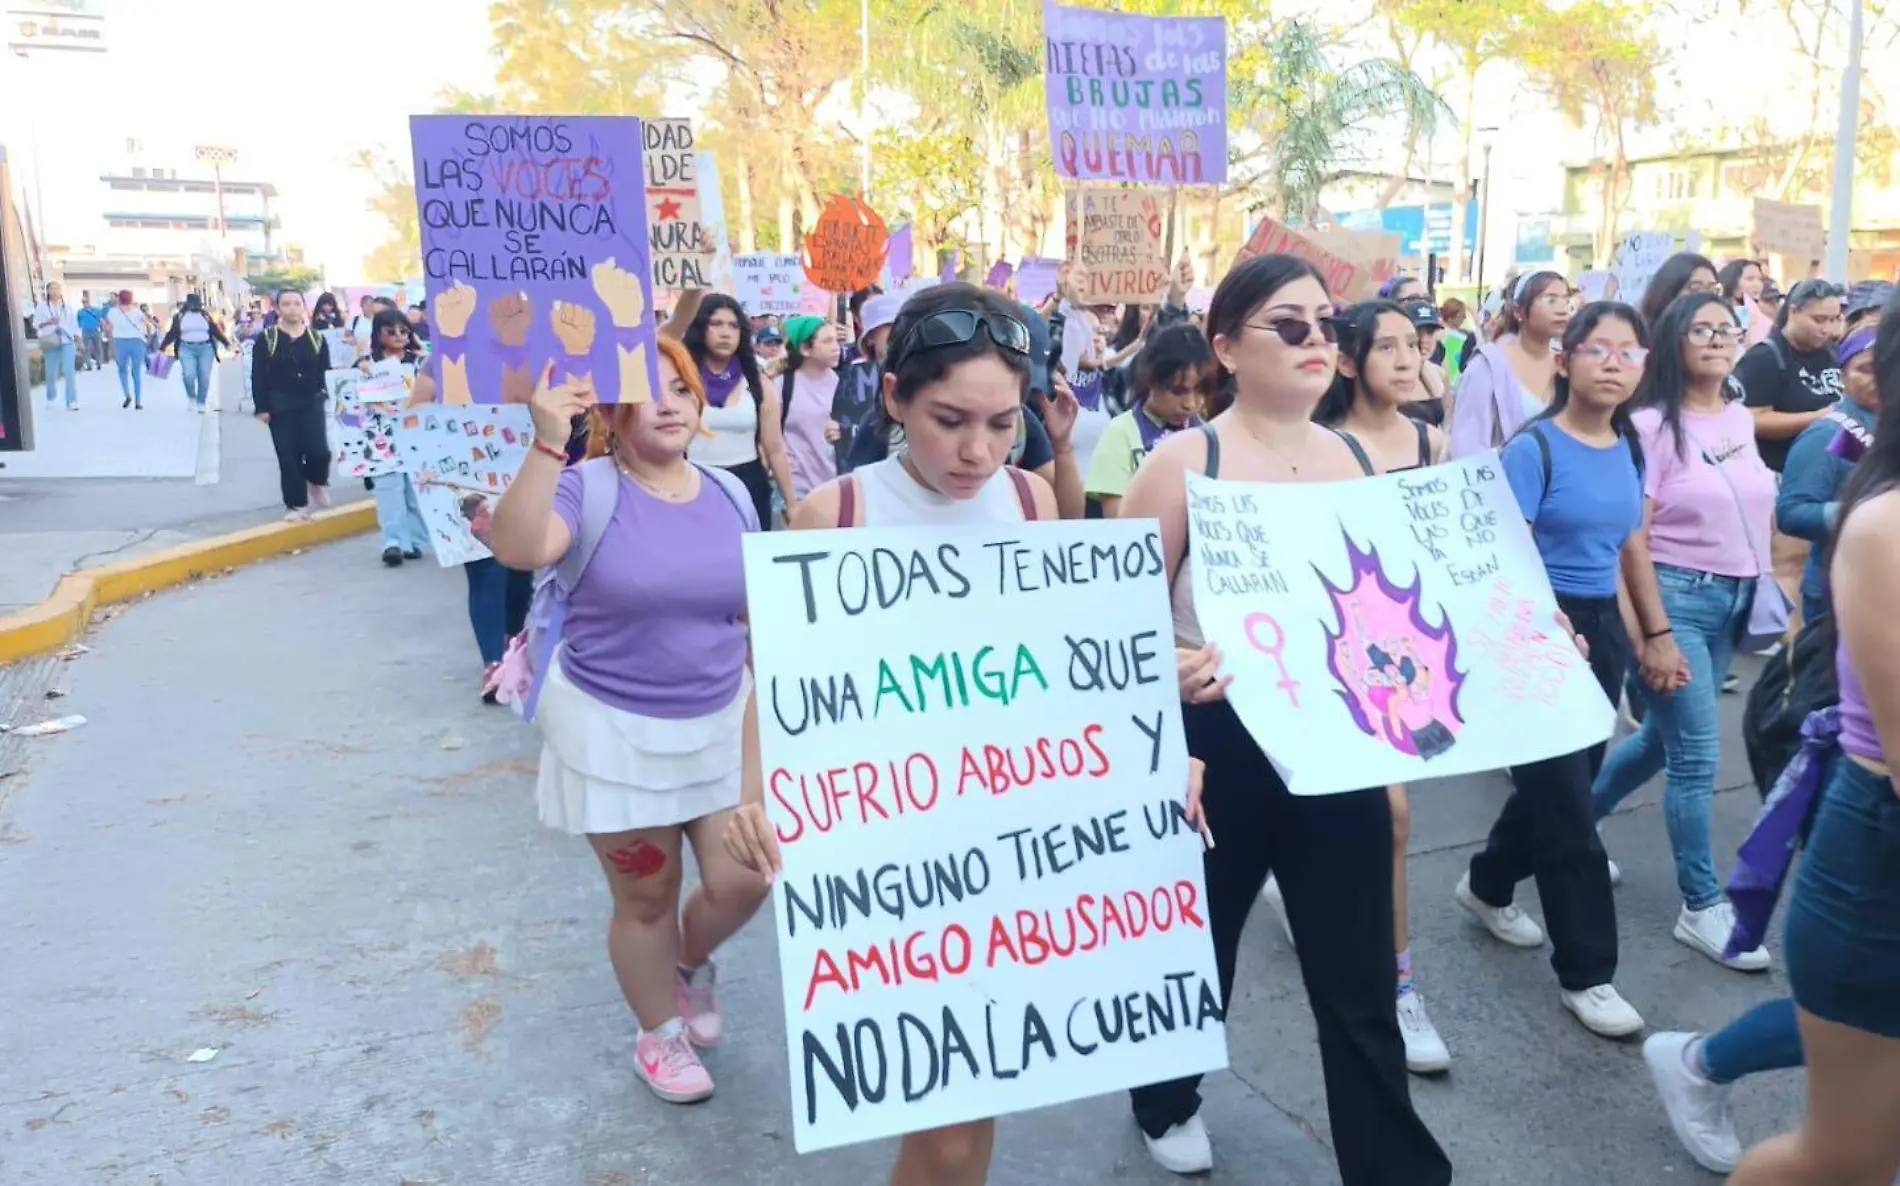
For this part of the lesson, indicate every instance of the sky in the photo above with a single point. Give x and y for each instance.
(353, 71)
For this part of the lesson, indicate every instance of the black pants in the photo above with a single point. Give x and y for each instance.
(1333, 857)
(752, 473)
(498, 600)
(1547, 829)
(303, 451)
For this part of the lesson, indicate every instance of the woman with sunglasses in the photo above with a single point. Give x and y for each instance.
(1577, 474)
(1381, 375)
(1513, 377)
(1690, 575)
(1271, 328)
(1792, 378)
(398, 513)
(954, 379)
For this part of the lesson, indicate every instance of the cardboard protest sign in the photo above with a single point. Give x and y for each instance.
(1115, 244)
(768, 285)
(457, 520)
(1786, 228)
(844, 250)
(1388, 629)
(359, 428)
(1136, 98)
(1375, 254)
(682, 251)
(973, 760)
(898, 258)
(1637, 259)
(1345, 280)
(1036, 279)
(475, 448)
(341, 350)
(535, 250)
(1597, 285)
(1000, 272)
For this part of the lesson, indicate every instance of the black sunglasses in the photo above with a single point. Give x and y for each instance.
(959, 327)
(1297, 331)
(1815, 290)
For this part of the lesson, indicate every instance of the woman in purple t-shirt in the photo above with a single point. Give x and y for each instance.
(1691, 575)
(646, 712)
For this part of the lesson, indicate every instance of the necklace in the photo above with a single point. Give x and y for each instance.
(1286, 458)
(651, 487)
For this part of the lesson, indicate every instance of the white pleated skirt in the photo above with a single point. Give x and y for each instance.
(605, 770)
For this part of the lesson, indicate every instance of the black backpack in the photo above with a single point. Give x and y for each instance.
(1801, 680)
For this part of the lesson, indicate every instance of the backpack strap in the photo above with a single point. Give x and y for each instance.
(735, 492)
(1212, 468)
(600, 496)
(1025, 493)
(848, 501)
(1424, 444)
(785, 392)
(1543, 458)
(1358, 451)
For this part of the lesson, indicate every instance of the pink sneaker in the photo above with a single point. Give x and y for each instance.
(670, 1067)
(704, 1026)
(319, 495)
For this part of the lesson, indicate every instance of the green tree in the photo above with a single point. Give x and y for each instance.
(1598, 62)
(301, 279)
(399, 256)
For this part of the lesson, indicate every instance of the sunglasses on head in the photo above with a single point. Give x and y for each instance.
(959, 327)
(1815, 290)
(1297, 331)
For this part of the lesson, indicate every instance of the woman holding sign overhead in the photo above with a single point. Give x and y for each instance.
(1272, 329)
(645, 697)
(956, 373)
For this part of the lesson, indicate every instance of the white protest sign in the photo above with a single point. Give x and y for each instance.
(1788, 228)
(769, 285)
(473, 447)
(1388, 629)
(457, 520)
(973, 760)
(342, 351)
(1637, 258)
(712, 215)
(361, 444)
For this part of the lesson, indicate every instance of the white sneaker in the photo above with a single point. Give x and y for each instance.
(1425, 1052)
(1604, 1012)
(1270, 894)
(1183, 1149)
(1616, 871)
(1707, 931)
(1697, 1108)
(1506, 923)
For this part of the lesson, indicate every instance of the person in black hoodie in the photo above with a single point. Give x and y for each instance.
(287, 383)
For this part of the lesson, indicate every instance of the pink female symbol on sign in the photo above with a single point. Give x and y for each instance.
(1276, 652)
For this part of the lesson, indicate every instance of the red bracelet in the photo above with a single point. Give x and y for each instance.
(541, 446)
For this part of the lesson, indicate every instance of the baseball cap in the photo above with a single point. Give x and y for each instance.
(1769, 291)
(1038, 349)
(1423, 313)
(1867, 296)
(769, 336)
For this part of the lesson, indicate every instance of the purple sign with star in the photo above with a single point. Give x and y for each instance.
(535, 251)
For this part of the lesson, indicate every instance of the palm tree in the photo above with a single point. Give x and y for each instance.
(1312, 120)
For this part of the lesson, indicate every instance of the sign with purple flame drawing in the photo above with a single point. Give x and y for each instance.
(1388, 629)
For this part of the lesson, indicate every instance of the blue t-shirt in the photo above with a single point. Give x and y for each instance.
(1580, 516)
(89, 319)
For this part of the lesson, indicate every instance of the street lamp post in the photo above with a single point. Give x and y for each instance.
(1841, 217)
(1484, 207)
(218, 157)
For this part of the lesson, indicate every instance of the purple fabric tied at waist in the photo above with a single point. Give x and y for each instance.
(1761, 864)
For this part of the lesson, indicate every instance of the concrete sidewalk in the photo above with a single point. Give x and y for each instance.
(291, 834)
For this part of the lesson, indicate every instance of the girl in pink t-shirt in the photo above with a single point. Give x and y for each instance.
(1691, 575)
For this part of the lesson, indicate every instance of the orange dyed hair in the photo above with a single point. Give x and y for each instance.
(605, 420)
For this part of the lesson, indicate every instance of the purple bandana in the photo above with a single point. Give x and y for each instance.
(719, 390)
(1154, 432)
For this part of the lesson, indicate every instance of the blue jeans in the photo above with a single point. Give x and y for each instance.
(1765, 1038)
(196, 360)
(497, 604)
(1682, 732)
(129, 357)
(61, 358)
(398, 514)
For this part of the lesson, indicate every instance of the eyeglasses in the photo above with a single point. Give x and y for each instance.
(1706, 334)
(1554, 300)
(1633, 355)
(1297, 331)
(1700, 286)
(959, 327)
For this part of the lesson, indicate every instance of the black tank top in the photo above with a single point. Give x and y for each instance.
(1424, 451)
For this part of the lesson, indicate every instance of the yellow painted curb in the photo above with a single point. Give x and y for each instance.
(63, 617)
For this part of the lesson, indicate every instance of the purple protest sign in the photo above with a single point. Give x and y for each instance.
(1036, 279)
(897, 260)
(952, 264)
(534, 249)
(1136, 98)
(1000, 272)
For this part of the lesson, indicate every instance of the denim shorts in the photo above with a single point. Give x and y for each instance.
(1843, 936)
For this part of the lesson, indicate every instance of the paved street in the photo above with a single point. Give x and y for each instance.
(291, 834)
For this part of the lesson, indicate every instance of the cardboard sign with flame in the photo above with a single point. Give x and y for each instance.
(844, 250)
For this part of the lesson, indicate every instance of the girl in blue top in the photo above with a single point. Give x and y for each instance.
(1577, 473)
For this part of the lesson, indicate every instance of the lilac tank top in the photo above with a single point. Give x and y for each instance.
(1857, 723)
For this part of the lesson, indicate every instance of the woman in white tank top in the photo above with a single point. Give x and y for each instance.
(954, 380)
